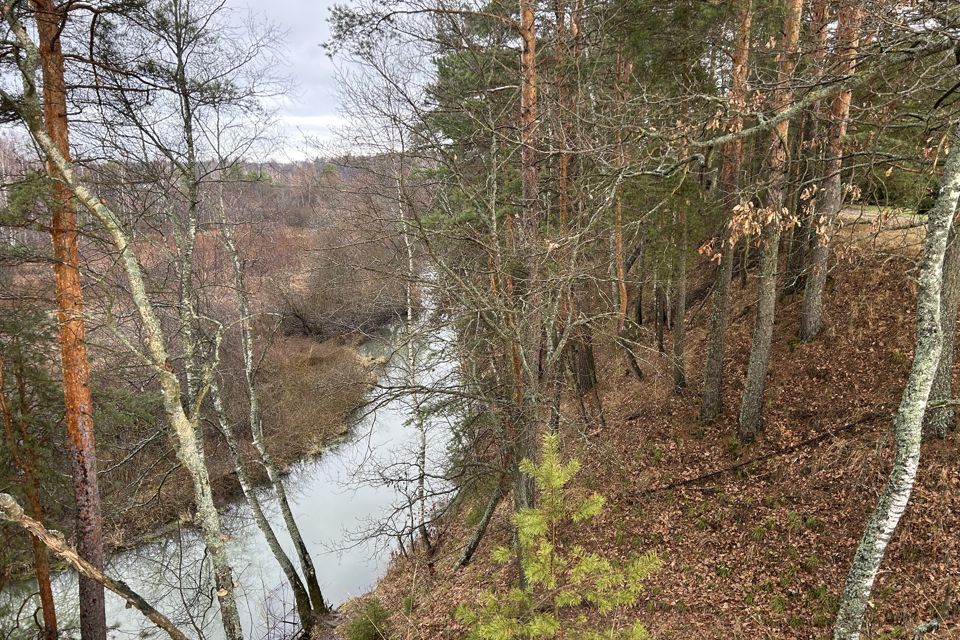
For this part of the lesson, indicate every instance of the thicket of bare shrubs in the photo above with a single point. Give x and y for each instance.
(318, 274)
(350, 283)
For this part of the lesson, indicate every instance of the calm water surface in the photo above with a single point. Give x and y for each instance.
(336, 498)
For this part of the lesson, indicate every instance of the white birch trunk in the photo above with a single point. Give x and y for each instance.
(412, 370)
(183, 428)
(301, 599)
(256, 423)
(908, 424)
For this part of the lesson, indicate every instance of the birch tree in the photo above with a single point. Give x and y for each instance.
(908, 423)
(209, 79)
(245, 321)
(182, 420)
(940, 415)
(300, 596)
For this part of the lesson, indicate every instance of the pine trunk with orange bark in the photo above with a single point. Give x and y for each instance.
(73, 350)
(751, 407)
(184, 426)
(527, 354)
(732, 152)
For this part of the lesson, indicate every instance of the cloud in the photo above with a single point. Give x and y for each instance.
(311, 112)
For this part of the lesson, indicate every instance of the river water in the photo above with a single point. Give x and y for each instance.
(336, 498)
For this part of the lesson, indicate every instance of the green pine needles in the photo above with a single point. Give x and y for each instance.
(562, 581)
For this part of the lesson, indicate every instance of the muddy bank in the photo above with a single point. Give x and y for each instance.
(309, 389)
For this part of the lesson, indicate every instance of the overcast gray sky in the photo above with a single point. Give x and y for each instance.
(311, 109)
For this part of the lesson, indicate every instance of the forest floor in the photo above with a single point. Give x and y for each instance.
(755, 539)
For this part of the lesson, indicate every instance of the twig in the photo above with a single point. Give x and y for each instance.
(11, 511)
(773, 454)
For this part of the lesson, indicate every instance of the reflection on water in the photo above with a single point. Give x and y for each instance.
(334, 500)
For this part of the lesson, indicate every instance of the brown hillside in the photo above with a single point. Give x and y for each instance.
(761, 549)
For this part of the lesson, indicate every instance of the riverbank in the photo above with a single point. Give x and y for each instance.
(309, 389)
(756, 538)
(335, 499)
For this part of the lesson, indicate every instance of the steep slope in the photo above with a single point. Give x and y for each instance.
(756, 539)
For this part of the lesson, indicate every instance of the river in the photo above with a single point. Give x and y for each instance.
(335, 497)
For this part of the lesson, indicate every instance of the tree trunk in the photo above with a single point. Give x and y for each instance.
(751, 407)
(635, 258)
(300, 596)
(13, 512)
(78, 401)
(481, 529)
(524, 447)
(939, 419)
(624, 71)
(680, 312)
(811, 150)
(41, 563)
(908, 424)
(183, 428)
(256, 423)
(564, 156)
(712, 401)
(793, 242)
(744, 263)
(831, 200)
(659, 313)
(25, 457)
(584, 363)
(639, 314)
(411, 364)
(255, 420)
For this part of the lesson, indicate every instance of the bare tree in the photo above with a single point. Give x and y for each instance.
(182, 421)
(319, 606)
(751, 407)
(300, 595)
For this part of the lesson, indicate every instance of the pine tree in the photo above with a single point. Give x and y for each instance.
(562, 580)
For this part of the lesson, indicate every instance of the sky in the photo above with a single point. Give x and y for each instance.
(310, 111)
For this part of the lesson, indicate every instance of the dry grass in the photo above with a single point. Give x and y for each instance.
(310, 389)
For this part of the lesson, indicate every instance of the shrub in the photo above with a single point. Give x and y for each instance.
(558, 577)
(371, 622)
